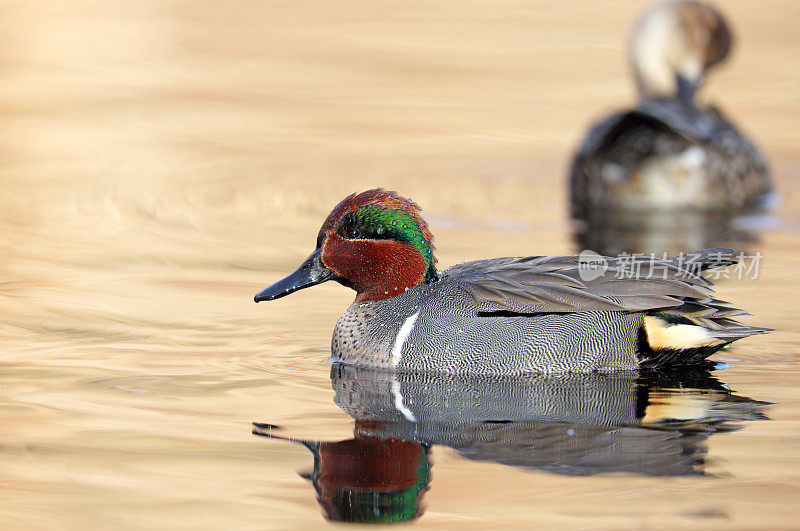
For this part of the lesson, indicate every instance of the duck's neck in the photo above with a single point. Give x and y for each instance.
(667, 61)
(377, 269)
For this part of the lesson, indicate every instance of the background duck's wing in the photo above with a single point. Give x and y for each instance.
(682, 118)
(612, 148)
(564, 284)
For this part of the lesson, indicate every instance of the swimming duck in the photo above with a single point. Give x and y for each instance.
(504, 315)
(670, 153)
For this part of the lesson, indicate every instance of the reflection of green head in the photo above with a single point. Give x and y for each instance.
(361, 505)
(377, 222)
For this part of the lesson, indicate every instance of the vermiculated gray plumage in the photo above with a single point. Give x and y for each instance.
(539, 314)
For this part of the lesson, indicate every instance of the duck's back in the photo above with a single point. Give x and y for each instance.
(667, 155)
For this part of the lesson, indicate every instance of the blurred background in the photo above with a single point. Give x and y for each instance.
(163, 161)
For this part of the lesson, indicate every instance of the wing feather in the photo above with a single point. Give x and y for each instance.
(558, 284)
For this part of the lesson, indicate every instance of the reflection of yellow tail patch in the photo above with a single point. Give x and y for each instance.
(663, 335)
(679, 404)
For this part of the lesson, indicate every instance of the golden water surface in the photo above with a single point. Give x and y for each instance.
(161, 161)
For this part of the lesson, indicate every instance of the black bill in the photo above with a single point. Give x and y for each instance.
(310, 273)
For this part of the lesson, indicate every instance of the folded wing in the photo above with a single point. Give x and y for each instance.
(563, 284)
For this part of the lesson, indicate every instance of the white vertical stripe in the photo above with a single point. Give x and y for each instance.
(402, 335)
(398, 402)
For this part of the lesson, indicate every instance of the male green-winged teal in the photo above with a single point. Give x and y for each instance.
(504, 315)
(670, 153)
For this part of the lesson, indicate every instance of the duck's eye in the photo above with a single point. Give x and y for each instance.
(353, 234)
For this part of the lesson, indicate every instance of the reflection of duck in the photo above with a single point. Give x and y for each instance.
(669, 153)
(367, 479)
(505, 315)
(573, 424)
(660, 233)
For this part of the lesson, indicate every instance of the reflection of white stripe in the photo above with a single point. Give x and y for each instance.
(402, 335)
(398, 402)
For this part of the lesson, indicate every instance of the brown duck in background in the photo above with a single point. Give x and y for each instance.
(670, 154)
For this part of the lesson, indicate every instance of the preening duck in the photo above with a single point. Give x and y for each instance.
(670, 153)
(517, 315)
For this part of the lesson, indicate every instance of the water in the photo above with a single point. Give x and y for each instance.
(163, 162)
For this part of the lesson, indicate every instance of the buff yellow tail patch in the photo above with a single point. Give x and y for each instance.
(662, 335)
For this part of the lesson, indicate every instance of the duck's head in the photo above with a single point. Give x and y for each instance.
(673, 45)
(375, 242)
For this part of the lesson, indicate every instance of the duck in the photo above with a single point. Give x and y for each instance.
(670, 153)
(506, 316)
